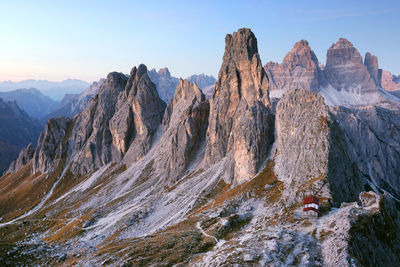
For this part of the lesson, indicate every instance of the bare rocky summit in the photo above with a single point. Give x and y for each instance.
(299, 69)
(345, 70)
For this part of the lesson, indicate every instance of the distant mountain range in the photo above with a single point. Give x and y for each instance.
(347, 79)
(32, 101)
(55, 90)
(17, 130)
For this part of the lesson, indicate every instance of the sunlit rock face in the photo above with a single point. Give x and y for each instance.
(299, 70)
(311, 152)
(344, 69)
(240, 123)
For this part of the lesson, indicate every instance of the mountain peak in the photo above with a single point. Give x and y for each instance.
(164, 72)
(345, 69)
(300, 44)
(341, 43)
(301, 61)
(240, 104)
(242, 43)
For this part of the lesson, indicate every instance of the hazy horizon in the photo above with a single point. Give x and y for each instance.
(44, 40)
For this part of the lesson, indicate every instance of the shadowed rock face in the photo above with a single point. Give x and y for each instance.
(240, 121)
(139, 112)
(299, 69)
(345, 70)
(311, 152)
(373, 137)
(51, 147)
(371, 62)
(185, 125)
(91, 140)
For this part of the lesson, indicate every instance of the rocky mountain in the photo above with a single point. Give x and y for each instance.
(345, 71)
(208, 181)
(32, 101)
(55, 90)
(240, 111)
(345, 79)
(204, 82)
(371, 62)
(17, 130)
(72, 104)
(164, 82)
(299, 69)
(390, 83)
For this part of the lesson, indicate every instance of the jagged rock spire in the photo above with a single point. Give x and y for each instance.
(239, 124)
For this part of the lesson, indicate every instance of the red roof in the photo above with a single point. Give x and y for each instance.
(311, 199)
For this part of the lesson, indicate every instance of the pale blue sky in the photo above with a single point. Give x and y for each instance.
(56, 40)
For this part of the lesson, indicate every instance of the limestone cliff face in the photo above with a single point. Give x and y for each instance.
(51, 147)
(311, 155)
(345, 70)
(390, 83)
(118, 122)
(373, 137)
(185, 125)
(138, 113)
(299, 69)
(91, 140)
(371, 62)
(24, 157)
(240, 121)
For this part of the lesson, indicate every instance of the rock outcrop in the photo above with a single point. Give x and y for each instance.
(311, 154)
(299, 69)
(240, 123)
(51, 148)
(164, 82)
(24, 157)
(390, 83)
(371, 62)
(185, 125)
(91, 140)
(344, 69)
(138, 113)
(373, 137)
(118, 122)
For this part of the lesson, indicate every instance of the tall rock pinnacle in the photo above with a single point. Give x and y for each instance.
(240, 118)
(299, 69)
(138, 112)
(371, 62)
